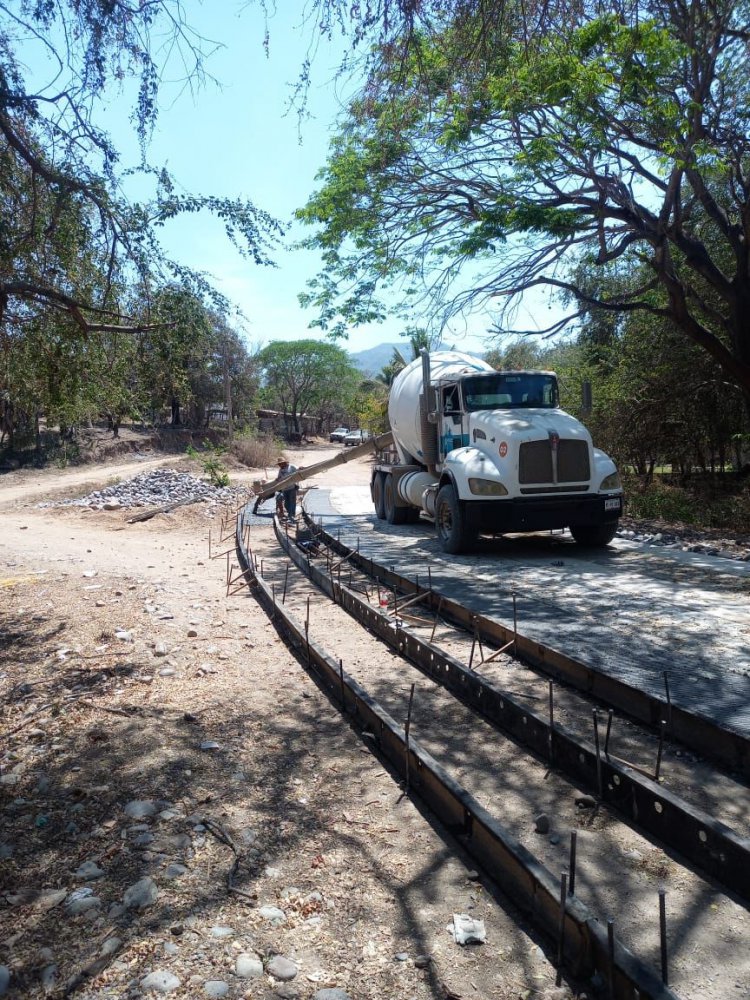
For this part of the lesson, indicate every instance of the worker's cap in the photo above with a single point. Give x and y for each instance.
(282, 461)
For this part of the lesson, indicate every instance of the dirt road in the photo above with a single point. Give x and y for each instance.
(177, 798)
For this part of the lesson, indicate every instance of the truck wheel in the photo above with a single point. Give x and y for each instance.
(377, 495)
(393, 514)
(451, 522)
(594, 536)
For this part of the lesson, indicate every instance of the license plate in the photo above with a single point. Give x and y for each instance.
(612, 504)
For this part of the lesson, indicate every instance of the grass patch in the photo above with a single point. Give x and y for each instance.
(702, 503)
(255, 452)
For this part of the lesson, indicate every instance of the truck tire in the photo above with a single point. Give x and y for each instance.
(451, 523)
(393, 514)
(378, 499)
(594, 536)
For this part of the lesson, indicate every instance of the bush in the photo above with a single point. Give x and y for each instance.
(700, 504)
(255, 452)
(658, 501)
(210, 460)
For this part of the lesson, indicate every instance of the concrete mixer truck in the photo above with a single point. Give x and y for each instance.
(482, 451)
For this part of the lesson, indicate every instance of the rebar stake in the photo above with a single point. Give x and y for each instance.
(551, 720)
(561, 928)
(669, 699)
(515, 626)
(572, 863)
(307, 630)
(341, 682)
(286, 581)
(657, 769)
(611, 957)
(598, 755)
(437, 617)
(273, 598)
(663, 936)
(407, 727)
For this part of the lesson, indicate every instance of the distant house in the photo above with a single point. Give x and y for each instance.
(216, 411)
(277, 422)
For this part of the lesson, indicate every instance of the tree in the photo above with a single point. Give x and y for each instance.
(618, 140)
(60, 194)
(307, 375)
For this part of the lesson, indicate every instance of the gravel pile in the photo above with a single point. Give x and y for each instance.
(686, 539)
(155, 489)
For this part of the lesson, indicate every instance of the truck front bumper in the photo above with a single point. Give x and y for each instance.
(543, 513)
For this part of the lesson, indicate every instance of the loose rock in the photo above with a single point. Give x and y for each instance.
(220, 931)
(140, 809)
(273, 914)
(161, 981)
(88, 871)
(281, 968)
(143, 893)
(248, 966)
(541, 823)
(80, 901)
(215, 988)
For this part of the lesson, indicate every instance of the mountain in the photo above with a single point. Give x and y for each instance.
(373, 360)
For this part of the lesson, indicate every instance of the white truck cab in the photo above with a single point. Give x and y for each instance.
(485, 451)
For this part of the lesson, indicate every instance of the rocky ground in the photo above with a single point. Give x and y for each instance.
(181, 810)
(710, 541)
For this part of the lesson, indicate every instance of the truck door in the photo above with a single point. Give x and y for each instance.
(453, 434)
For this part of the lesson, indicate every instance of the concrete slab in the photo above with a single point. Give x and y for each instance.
(632, 610)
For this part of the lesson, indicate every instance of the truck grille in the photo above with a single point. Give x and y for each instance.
(535, 462)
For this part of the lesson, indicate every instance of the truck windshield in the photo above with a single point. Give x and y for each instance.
(510, 390)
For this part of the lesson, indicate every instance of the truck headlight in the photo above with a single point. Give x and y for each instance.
(487, 488)
(612, 482)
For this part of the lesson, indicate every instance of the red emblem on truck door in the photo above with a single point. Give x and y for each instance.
(503, 449)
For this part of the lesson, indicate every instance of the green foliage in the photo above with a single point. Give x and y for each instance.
(703, 503)
(659, 501)
(94, 317)
(482, 160)
(307, 377)
(211, 461)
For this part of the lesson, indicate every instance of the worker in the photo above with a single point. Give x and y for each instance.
(287, 497)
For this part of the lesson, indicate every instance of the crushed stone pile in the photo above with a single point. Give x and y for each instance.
(155, 489)
(685, 538)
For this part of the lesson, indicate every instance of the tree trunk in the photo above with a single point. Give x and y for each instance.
(175, 407)
(228, 393)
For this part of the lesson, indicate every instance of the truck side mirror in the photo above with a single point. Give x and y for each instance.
(586, 396)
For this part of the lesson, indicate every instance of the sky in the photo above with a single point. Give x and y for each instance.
(239, 138)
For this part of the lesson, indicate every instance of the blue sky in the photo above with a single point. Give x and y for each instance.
(238, 138)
